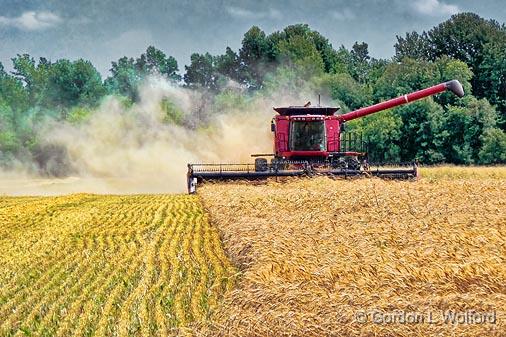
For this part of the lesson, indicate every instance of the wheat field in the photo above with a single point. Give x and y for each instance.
(323, 257)
(89, 265)
(295, 257)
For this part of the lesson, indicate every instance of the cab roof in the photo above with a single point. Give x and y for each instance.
(309, 110)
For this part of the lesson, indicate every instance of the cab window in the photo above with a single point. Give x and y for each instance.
(307, 136)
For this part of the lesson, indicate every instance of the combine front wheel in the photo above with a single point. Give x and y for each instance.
(261, 165)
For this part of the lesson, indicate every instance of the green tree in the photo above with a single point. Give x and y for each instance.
(201, 72)
(13, 93)
(213, 72)
(383, 132)
(492, 75)
(229, 65)
(452, 69)
(413, 45)
(25, 69)
(327, 52)
(344, 88)
(302, 35)
(75, 83)
(467, 37)
(62, 84)
(360, 58)
(34, 75)
(420, 130)
(230, 100)
(493, 150)
(463, 37)
(173, 114)
(14, 100)
(296, 44)
(154, 61)
(255, 54)
(301, 53)
(286, 79)
(376, 70)
(127, 73)
(405, 77)
(124, 78)
(463, 128)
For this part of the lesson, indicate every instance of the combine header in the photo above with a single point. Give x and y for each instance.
(310, 140)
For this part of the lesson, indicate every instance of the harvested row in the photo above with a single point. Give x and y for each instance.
(86, 265)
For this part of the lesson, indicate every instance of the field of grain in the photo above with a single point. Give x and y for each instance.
(323, 257)
(89, 265)
(299, 257)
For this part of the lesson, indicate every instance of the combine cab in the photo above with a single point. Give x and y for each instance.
(309, 140)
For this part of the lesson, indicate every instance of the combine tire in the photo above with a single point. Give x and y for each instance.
(278, 165)
(261, 165)
(348, 162)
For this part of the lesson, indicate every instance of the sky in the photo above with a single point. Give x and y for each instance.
(105, 30)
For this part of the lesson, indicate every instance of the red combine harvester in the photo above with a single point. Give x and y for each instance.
(310, 140)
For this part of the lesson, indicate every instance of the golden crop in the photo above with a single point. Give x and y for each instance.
(316, 253)
(313, 254)
(107, 265)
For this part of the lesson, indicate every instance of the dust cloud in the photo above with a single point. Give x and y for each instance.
(122, 149)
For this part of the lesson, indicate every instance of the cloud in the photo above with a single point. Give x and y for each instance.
(242, 13)
(31, 20)
(344, 15)
(435, 8)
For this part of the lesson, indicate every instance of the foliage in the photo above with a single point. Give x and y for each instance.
(452, 69)
(172, 113)
(493, 150)
(230, 100)
(382, 131)
(478, 42)
(344, 88)
(419, 131)
(201, 72)
(413, 45)
(492, 75)
(72, 84)
(59, 85)
(260, 54)
(78, 114)
(127, 73)
(124, 79)
(301, 53)
(404, 77)
(463, 128)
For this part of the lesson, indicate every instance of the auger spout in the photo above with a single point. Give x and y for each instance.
(453, 86)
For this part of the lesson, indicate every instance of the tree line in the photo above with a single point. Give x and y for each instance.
(466, 47)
